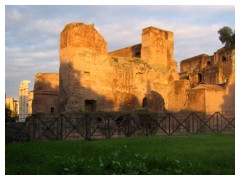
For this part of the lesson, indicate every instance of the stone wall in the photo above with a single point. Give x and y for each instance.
(214, 100)
(179, 96)
(157, 46)
(217, 78)
(192, 64)
(225, 58)
(210, 75)
(79, 35)
(229, 96)
(208, 69)
(198, 69)
(46, 90)
(118, 83)
(30, 99)
(196, 99)
(210, 99)
(91, 80)
(131, 51)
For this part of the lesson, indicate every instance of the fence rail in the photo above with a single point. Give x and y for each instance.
(88, 126)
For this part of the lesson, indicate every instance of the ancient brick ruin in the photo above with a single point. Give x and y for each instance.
(212, 81)
(142, 76)
(46, 90)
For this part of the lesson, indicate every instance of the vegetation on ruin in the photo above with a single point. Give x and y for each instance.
(10, 116)
(115, 59)
(182, 154)
(226, 36)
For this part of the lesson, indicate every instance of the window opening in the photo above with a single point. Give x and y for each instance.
(200, 78)
(52, 110)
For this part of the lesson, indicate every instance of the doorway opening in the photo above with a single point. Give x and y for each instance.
(145, 102)
(90, 105)
(200, 78)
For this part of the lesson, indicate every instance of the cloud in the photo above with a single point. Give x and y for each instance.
(14, 16)
(51, 27)
(20, 53)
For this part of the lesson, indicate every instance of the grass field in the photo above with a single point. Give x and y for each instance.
(185, 154)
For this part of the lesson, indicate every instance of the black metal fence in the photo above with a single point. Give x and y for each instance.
(113, 125)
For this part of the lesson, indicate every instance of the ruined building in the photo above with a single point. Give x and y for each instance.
(140, 76)
(46, 90)
(212, 81)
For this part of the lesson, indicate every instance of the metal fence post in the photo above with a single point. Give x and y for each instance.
(108, 128)
(169, 126)
(61, 127)
(86, 128)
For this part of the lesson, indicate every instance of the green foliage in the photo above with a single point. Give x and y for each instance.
(115, 59)
(227, 36)
(185, 154)
(9, 116)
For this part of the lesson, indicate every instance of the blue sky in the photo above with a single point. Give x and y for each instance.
(32, 32)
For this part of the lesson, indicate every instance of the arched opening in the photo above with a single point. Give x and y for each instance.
(209, 63)
(130, 102)
(155, 101)
(224, 59)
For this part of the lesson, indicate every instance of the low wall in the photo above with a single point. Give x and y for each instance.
(16, 132)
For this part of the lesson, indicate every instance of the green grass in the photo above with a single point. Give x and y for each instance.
(185, 154)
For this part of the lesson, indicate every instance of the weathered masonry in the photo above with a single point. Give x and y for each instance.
(91, 79)
(141, 76)
(212, 81)
(46, 90)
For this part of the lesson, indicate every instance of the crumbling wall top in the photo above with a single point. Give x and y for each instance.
(46, 82)
(155, 30)
(80, 35)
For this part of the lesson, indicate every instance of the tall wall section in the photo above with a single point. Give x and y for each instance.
(157, 46)
(131, 51)
(46, 90)
(229, 97)
(30, 99)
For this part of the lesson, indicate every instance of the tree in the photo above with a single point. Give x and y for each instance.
(9, 116)
(227, 36)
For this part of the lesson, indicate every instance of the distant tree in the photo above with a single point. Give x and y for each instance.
(9, 116)
(227, 36)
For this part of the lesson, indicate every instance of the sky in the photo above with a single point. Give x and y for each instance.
(32, 32)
